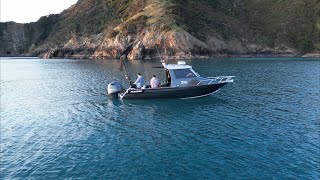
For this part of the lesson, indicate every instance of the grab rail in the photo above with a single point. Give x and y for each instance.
(220, 79)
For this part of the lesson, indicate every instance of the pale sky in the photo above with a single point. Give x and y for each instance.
(25, 11)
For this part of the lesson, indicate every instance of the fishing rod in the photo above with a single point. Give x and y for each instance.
(161, 60)
(123, 67)
(159, 53)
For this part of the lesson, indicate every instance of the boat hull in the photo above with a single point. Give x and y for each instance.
(172, 92)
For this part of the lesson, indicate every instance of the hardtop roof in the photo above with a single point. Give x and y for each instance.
(177, 66)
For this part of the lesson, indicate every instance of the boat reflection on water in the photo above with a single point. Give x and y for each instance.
(181, 82)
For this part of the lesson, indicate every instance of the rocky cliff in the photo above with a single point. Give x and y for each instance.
(23, 39)
(179, 28)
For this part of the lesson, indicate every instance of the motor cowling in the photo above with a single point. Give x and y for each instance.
(114, 88)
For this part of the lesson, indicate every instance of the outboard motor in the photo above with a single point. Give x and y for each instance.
(114, 88)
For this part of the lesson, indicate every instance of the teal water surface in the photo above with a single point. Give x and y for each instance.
(58, 123)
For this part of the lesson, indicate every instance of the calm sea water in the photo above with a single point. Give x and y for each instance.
(58, 123)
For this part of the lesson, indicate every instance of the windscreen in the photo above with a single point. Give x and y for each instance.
(183, 73)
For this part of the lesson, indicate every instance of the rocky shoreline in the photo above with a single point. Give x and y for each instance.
(183, 57)
(312, 55)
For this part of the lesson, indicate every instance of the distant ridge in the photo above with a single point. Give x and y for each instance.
(182, 29)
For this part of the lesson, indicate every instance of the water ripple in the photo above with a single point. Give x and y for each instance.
(57, 123)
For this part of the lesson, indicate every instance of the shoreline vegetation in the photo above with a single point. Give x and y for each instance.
(113, 29)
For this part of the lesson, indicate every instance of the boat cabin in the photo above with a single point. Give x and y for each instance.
(181, 75)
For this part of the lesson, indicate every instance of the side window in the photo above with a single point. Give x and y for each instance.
(183, 73)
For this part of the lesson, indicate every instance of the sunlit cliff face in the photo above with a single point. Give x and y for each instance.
(132, 29)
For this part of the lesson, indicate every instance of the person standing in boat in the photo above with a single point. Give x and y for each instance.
(154, 82)
(139, 83)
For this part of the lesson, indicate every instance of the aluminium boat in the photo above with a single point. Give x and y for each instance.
(181, 82)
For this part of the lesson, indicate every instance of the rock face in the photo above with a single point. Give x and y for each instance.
(23, 39)
(178, 29)
(12, 39)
